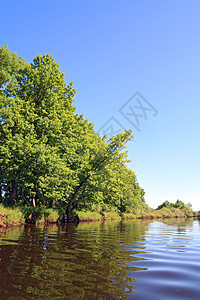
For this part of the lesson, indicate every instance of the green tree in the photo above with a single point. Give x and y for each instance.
(165, 204)
(179, 204)
(36, 114)
(9, 116)
(102, 153)
(49, 155)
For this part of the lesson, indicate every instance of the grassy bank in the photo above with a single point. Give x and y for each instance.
(144, 214)
(16, 216)
(97, 216)
(11, 216)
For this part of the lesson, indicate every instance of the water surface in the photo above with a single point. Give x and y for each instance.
(111, 260)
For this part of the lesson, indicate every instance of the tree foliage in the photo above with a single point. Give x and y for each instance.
(178, 206)
(51, 156)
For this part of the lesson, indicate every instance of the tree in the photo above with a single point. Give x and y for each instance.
(36, 113)
(179, 204)
(165, 204)
(10, 66)
(49, 155)
(102, 153)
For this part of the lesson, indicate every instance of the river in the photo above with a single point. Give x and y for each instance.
(139, 259)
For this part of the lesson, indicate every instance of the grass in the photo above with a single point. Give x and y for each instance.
(15, 216)
(89, 215)
(167, 212)
(111, 216)
(130, 216)
(11, 215)
(50, 215)
(97, 216)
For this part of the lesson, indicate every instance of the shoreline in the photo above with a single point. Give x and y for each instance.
(89, 217)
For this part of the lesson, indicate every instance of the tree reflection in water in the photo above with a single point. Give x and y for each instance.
(90, 261)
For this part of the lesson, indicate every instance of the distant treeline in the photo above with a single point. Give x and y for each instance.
(177, 209)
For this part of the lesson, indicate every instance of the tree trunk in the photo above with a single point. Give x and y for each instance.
(68, 210)
(12, 192)
(34, 204)
(0, 193)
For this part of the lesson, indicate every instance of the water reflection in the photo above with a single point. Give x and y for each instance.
(111, 260)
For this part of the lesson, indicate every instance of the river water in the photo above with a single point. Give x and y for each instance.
(112, 260)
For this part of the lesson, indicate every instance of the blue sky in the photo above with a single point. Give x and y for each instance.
(113, 49)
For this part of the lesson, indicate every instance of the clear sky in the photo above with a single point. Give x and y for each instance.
(113, 49)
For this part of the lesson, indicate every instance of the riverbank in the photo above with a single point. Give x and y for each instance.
(18, 216)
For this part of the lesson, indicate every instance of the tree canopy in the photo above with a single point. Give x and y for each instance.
(49, 155)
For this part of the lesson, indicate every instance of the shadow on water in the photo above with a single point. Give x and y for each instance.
(139, 259)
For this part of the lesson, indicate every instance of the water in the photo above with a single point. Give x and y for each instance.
(112, 260)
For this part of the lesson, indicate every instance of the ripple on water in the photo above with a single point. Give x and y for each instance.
(171, 266)
(132, 260)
